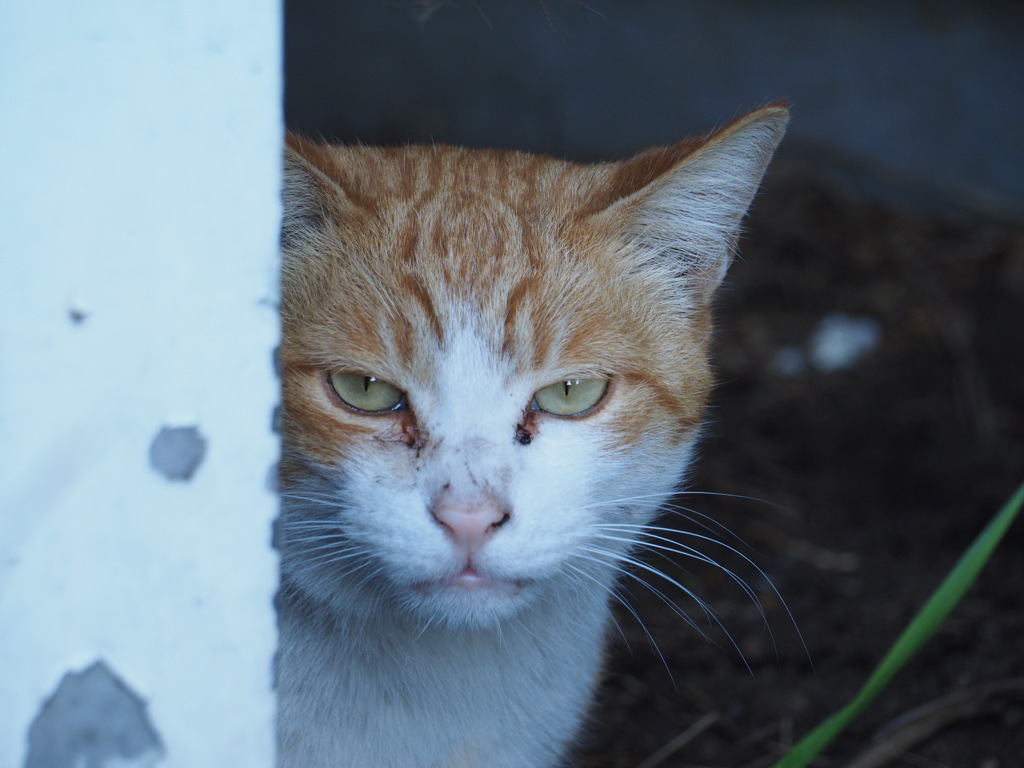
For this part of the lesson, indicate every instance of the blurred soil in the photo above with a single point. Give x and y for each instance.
(854, 490)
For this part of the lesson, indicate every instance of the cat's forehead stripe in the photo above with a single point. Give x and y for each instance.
(418, 291)
(409, 236)
(516, 331)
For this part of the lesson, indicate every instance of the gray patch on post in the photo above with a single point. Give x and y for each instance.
(93, 720)
(275, 534)
(274, 478)
(177, 452)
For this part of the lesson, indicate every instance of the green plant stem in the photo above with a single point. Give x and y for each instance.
(922, 627)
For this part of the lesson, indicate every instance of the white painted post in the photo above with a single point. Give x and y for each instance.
(139, 214)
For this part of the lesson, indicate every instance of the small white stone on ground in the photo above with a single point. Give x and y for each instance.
(840, 340)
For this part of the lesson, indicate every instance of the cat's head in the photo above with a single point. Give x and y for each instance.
(494, 364)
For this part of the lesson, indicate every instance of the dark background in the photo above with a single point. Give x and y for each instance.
(897, 200)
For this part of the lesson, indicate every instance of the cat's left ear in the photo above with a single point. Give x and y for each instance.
(683, 204)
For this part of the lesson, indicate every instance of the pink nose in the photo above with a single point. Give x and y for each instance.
(469, 524)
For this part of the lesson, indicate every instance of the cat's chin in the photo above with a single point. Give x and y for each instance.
(471, 597)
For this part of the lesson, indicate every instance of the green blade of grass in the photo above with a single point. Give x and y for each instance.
(922, 627)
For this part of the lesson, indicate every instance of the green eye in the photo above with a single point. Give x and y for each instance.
(571, 397)
(366, 393)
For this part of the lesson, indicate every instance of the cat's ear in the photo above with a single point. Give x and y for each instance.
(310, 195)
(682, 205)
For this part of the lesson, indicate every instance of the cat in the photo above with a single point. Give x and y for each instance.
(494, 367)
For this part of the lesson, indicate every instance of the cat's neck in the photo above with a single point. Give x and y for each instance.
(439, 686)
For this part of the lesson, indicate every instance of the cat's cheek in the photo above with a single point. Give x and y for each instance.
(552, 494)
(392, 515)
(389, 514)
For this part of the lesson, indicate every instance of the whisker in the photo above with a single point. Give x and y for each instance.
(709, 613)
(661, 595)
(625, 604)
(428, 621)
(645, 531)
(706, 522)
(724, 495)
(686, 551)
(331, 558)
(325, 498)
(331, 523)
(775, 591)
(689, 551)
(329, 535)
(624, 500)
(332, 546)
(709, 523)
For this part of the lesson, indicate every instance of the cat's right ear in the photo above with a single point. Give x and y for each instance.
(310, 196)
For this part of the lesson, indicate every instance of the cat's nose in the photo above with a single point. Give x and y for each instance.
(470, 523)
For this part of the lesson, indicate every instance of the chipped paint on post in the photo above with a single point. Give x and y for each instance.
(177, 452)
(92, 720)
(138, 279)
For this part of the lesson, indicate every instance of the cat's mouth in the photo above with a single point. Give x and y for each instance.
(470, 579)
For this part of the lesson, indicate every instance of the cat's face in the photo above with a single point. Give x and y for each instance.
(494, 364)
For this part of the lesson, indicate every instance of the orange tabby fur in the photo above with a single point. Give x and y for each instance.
(552, 270)
(503, 234)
